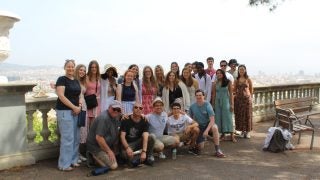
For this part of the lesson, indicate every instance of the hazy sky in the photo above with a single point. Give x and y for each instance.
(161, 31)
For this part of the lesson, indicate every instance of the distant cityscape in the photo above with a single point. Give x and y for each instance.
(47, 74)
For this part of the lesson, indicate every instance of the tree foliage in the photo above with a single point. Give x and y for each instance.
(272, 4)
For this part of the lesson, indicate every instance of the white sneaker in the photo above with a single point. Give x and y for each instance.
(82, 158)
(161, 155)
(79, 161)
(181, 144)
(151, 158)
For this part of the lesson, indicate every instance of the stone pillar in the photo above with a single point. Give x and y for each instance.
(13, 126)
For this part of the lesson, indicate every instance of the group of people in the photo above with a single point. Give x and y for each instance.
(146, 115)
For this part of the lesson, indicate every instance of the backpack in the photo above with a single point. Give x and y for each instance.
(277, 143)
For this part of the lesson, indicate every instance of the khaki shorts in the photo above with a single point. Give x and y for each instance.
(164, 140)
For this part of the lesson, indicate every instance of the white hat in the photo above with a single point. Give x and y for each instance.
(157, 99)
(115, 104)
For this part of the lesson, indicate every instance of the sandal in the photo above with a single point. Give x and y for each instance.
(220, 155)
(234, 140)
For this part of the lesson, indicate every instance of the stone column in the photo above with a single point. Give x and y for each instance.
(13, 126)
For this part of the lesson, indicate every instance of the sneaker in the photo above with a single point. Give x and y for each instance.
(246, 135)
(219, 154)
(79, 161)
(181, 144)
(82, 158)
(149, 161)
(151, 157)
(195, 151)
(161, 155)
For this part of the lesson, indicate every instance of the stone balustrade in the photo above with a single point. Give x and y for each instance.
(263, 109)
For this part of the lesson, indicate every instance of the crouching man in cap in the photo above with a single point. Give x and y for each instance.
(134, 136)
(103, 137)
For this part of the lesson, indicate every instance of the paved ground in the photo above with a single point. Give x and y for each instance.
(245, 160)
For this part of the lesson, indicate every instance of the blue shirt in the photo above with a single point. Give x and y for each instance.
(157, 123)
(201, 114)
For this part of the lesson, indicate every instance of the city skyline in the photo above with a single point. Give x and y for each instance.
(150, 32)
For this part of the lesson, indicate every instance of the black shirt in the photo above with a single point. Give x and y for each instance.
(134, 130)
(173, 95)
(72, 92)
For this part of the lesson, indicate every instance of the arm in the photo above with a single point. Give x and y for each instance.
(230, 96)
(125, 144)
(250, 87)
(119, 90)
(208, 87)
(104, 146)
(213, 96)
(65, 101)
(145, 136)
(212, 123)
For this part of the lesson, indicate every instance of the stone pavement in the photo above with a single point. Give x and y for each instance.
(245, 160)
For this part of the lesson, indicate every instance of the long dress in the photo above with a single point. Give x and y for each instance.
(147, 97)
(223, 116)
(243, 107)
(91, 89)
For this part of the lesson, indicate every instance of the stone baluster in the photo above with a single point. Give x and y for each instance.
(31, 134)
(45, 133)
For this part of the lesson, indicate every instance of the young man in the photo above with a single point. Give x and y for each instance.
(233, 64)
(210, 70)
(182, 127)
(157, 123)
(103, 137)
(204, 81)
(202, 112)
(134, 136)
(223, 66)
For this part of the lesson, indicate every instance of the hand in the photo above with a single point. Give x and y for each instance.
(129, 152)
(76, 110)
(125, 117)
(143, 156)
(112, 157)
(231, 108)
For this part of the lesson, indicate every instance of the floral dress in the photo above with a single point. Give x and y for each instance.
(243, 107)
(148, 96)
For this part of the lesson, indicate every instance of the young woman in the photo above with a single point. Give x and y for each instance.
(243, 101)
(68, 107)
(175, 91)
(191, 83)
(222, 101)
(160, 78)
(149, 89)
(108, 86)
(80, 75)
(175, 68)
(127, 92)
(93, 87)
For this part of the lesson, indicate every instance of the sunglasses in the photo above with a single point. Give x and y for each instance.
(136, 107)
(223, 65)
(117, 109)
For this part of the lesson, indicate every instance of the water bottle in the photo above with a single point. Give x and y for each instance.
(99, 171)
(174, 153)
(137, 152)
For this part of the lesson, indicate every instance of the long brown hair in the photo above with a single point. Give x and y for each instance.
(167, 83)
(189, 81)
(89, 73)
(149, 83)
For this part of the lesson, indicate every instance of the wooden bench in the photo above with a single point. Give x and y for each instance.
(290, 113)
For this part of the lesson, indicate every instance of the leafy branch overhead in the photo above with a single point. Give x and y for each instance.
(272, 4)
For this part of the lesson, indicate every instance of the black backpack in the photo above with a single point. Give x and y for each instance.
(277, 143)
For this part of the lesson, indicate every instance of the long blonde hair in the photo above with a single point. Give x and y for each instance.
(152, 82)
(82, 80)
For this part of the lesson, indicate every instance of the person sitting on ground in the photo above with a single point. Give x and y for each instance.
(134, 136)
(201, 111)
(182, 127)
(157, 123)
(103, 137)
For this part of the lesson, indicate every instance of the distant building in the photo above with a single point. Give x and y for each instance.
(3, 79)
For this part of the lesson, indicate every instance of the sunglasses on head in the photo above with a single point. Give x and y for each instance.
(137, 107)
(117, 109)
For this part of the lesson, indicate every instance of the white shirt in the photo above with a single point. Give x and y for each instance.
(176, 126)
(205, 84)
